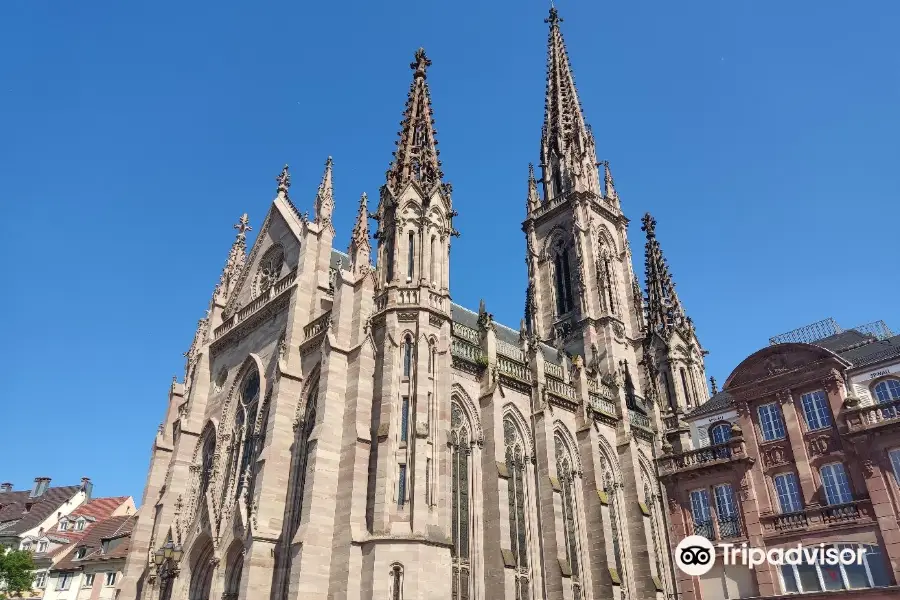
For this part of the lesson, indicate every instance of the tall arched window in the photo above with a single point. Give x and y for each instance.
(653, 508)
(460, 526)
(206, 462)
(244, 434)
(407, 355)
(566, 473)
(411, 262)
(720, 433)
(607, 280)
(434, 258)
(563, 281)
(301, 457)
(515, 466)
(431, 356)
(396, 581)
(258, 444)
(612, 495)
(684, 384)
(887, 390)
(389, 256)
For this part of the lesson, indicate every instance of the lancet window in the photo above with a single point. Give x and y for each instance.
(655, 532)
(610, 487)
(411, 256)
(515, 466)
(407, 355)
(566, 474)
(243, 437)
(563, 278)
(460, 450)
(301, 455)
(207, 458)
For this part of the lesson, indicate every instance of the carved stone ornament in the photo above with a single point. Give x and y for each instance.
(618, 329)
(851, 402)
(784, 396)
(746, 490)
(775, 364)
(868, 467)
(820, 445)
(774, 456)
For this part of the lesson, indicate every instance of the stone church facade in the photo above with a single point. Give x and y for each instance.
(344, 430)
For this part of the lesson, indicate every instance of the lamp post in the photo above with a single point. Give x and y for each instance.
(166, 559)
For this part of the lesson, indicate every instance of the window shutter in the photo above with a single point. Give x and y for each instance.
(702, 438)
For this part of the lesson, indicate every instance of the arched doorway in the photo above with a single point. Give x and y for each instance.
(201, 569)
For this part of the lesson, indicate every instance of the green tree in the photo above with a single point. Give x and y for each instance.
(16, 570)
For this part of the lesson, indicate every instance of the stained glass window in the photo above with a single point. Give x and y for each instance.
(407, 356)
(565, 473)
(460, 526)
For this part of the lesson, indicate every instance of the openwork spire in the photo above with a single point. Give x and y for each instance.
(568, 155)
(416, 157)
(237, 257)
(324, 206)
(664, 310)
(534, 199)
(360, 250)
(609, 186)
(284, 181)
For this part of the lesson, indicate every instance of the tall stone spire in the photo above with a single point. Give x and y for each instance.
(664, 310)
(360, 250)
(416, 157)
(324, 206)
(609, 186)
(568, 153)
(237, 257)
(534, 199)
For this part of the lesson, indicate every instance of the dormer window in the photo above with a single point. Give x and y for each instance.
(42, 546)
(80, 552)
(79, 525)
(63, 525)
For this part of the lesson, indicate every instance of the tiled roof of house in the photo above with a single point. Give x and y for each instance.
(116, 529)
(94, 511)
(719, 402)
(13, 516)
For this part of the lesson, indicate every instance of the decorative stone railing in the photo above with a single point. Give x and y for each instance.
(466, 351)
(553, 370)
(709, 456)
(593, 386)
(435, 300)
(381, 301)
(510, 351)
(819, 517)
(466, 333)
(407, 296)
(640, 420)
(317, 326)
(603, 405)
(513, 369)
(560, 388)
(270, 293)
(670, 422)
(874, 415)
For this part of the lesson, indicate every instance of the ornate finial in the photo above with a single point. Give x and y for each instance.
(715, 388)
(534, 199)
(649, 225)
(608, 183)
(554, 17)
(284, 181)
(360, 250)
(324, 204)
(243, 226)
(421, 63)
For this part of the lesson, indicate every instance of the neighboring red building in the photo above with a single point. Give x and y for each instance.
(785, 454)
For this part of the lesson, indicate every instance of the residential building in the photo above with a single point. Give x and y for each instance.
(92, 567)
(53, 545)
(802, 445)
(344, 430)
(26, 515)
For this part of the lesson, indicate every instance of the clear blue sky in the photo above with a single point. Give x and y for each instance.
(763, 135)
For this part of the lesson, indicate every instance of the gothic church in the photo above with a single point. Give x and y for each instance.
(346, 431)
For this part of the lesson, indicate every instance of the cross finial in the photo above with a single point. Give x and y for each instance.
(243, 225)
(284, 180)
(554, 18)
(649, 225)
(420, 63)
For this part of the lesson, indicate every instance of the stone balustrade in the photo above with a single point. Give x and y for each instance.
(466, 333)
(639, 419)
(381, 301)
(317, 326)
(513, 369)
(257, 303)
(818, 517)
(510, 351)
(603, 405)
(875, 415)
(552, 370)
(560, 388)
(700, 458)
(466, 351)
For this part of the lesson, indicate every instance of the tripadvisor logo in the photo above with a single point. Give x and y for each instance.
(695, 555)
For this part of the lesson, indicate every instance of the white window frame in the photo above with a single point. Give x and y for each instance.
(771, 409)
(723, 426)
(837, 485)
(792, 492)
(63, 525)
(844, 581)
(816, 411)
(110, 579)
(89, 580)
(43, 546)
(79, 525)
(40, 579)
(63, 581)
(894, 457)
(888, 388)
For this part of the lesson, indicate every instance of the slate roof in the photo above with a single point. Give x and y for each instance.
(859, 349)
(112, 528)
(14, 519)
(469, 318)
